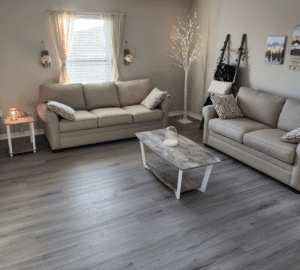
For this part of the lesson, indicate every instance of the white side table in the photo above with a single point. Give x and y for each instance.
(29, 119)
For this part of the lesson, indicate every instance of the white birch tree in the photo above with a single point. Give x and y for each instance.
(185, 48)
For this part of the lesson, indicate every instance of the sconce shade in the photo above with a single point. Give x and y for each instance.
(128, 58)
(46, 59)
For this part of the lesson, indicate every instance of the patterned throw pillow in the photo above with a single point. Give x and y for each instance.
(226, 106)
(292, 137)
(154, 98)
(63, 110)
(219, 88)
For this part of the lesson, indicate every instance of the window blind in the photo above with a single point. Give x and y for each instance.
(90, 52)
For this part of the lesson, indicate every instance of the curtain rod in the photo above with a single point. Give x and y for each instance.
(90, 13)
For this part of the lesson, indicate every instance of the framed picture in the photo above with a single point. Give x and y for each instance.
(294, 63)
(295, 48)
(275, 50)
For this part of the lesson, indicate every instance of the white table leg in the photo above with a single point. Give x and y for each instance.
(144, 156)
(177, 193)
(32, 137)
(9, 141)
(30, 133)
(206, 178)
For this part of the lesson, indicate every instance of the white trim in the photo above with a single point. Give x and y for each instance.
(195, 116)
(21, 134)
(191, 114)
(175, 113)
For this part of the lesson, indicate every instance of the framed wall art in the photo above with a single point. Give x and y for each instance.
(294, 63)
(275, 50)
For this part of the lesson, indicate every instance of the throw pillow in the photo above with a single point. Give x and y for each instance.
(226, 106)
(219, 88)
(154, 98)
(292, 136)
(61, 109)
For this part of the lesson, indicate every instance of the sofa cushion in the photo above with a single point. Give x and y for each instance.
(226, 106)
(255, 154)
(155, 97)
(234, 128)
(63, 110)
(69, 94)
(133, 92)
(143, 114)
(100, 95)
(292, 136)
(219, 88)
(268, 141)
(83, 120)
(260, 106)
(289, 118)
(112, 116)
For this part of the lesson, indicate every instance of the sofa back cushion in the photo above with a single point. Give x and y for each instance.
(133, 92)
(259, 106)
(289, 118)
(68, 94)
(101, 95)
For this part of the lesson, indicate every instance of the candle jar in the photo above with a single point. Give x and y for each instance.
(13, 114)
(171, 136)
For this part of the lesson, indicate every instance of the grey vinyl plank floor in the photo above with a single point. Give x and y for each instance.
(96, 207)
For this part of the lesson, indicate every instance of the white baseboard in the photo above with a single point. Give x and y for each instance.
(175, 113)
(195, 116)
(21, 134)
(191, 114)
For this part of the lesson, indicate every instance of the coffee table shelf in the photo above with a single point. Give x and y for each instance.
(168, 174)
(175, 160)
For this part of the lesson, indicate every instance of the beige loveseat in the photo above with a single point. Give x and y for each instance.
(256, 138)
(103, 112)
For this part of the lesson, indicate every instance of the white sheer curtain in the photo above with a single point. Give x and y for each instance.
(62, 24)
(116, 24)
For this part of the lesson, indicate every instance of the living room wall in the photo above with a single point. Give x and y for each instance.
(25, 23)
(258, 19)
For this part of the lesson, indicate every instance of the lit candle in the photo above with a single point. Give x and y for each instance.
(13, 114)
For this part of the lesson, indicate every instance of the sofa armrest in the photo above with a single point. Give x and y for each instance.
(165, 106)
(47, 115)
(295, 178)
(51, 125)
(208, 112)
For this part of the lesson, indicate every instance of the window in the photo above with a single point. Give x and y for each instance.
(90, 52)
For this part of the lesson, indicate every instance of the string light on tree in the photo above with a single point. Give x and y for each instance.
(185, 48)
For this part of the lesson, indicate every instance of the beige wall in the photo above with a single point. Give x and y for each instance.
(25, 23)
(258, 19)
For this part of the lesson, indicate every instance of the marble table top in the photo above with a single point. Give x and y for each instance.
(186, 155)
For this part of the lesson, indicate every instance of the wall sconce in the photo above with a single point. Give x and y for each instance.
(127, 56)
(13, 114)
(45, 57)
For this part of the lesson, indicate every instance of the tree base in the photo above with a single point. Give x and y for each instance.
(184, 121)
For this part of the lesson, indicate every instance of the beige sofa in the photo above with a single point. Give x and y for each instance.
(256, 138)
(103, 112)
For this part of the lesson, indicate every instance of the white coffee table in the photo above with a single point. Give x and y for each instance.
(30, 120)
(175, 160)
